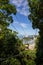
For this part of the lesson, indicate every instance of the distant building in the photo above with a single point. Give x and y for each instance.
(28, 40)
(29, 44)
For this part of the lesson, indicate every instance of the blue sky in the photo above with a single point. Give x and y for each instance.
(21, 23)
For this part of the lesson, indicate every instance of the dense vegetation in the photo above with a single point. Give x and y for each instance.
(12, 51)
(36, 16)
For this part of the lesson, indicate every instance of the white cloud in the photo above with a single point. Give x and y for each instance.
(25, 3)
(22, 6)
(24, 25)
(18, 3)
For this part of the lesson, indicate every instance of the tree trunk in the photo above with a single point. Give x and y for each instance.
(39, 53)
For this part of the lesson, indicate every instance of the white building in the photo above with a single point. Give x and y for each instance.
(30, 45)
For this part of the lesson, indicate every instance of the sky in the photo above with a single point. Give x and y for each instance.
(21, 23)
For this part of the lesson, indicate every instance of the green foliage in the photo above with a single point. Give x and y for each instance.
(12, 51)
(11, 61)
(39, 54)
(36, 13)
(6, 9)
(9, 46)
(36, 16)
(27, 57)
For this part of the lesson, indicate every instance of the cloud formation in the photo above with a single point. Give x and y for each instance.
(24, 25)
(22, 6)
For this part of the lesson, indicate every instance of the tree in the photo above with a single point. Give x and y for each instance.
(7, 38)
(36, 16)
(10, 45)
(6, 9)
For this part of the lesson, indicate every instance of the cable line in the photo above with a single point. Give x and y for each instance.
(14, 27)
(21, 26)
